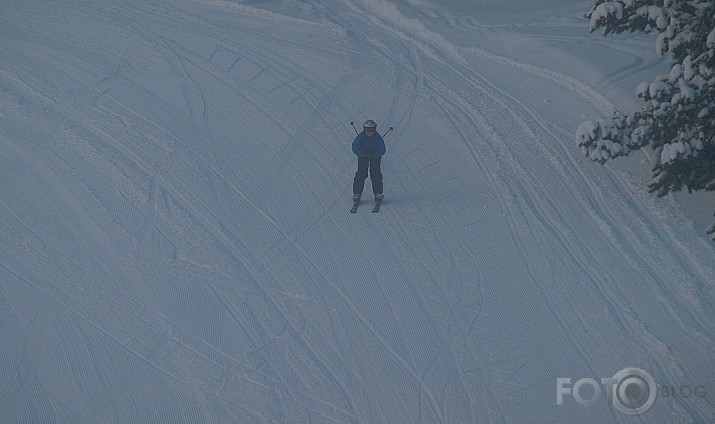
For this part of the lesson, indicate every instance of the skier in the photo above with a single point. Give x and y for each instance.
(369, 147)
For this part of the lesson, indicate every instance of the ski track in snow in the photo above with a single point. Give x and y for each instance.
(175, 242)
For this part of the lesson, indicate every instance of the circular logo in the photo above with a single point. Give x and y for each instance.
(634, 391)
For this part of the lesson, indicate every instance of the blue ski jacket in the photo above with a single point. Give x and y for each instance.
(373, 147)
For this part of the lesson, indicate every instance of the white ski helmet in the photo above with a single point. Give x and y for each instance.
(370, 124)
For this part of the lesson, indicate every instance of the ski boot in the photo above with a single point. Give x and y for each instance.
(356, 202)
(378, 200)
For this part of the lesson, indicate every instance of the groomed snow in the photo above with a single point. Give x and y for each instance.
(176, 247)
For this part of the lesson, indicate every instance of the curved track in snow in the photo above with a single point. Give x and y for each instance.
(176, 247)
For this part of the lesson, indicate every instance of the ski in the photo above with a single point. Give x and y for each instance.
(375, 208)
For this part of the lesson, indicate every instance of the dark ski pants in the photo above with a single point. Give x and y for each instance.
(373, 165)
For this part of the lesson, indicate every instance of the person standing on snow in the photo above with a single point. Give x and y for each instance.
(369, 147)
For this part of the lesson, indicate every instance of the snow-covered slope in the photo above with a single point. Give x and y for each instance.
(175, 245)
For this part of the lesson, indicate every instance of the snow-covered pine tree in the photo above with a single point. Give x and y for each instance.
(678, 117)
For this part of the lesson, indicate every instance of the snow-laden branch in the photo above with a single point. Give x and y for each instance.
(677, 119)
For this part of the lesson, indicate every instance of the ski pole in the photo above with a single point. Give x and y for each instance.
(388, 131)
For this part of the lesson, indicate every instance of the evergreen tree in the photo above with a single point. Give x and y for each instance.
(678, 117)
